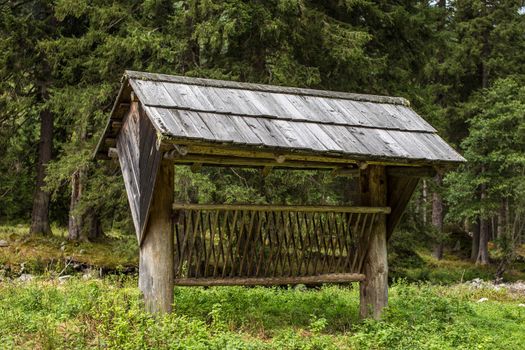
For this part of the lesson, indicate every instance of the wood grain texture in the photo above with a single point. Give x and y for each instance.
(400, 190)
(372, 143)
(261, 87)
(268, 118)
(139, 160)
(156, 268)
(273, 207)
(279, 243)
(374, 289)
(271, 281)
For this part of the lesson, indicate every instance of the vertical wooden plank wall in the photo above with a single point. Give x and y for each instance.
(139, 159)
(400, 190)
(374, 290)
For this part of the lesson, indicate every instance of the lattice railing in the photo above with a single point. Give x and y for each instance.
(270, 244)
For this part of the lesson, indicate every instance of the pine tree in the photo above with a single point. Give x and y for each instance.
(26, 74)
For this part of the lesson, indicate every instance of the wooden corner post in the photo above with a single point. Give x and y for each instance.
(374, 289)
(156, 273)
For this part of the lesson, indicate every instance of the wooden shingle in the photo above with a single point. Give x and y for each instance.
(284, 119)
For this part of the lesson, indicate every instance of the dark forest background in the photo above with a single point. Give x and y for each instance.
(460, 63)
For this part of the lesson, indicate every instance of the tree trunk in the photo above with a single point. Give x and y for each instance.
(501, 220)
(475, 241)
(425, 202)
(483, 253)
(437, 219)
(75, 218)
(94, 226)
(374, 290)
(40, 212)
(83, 226)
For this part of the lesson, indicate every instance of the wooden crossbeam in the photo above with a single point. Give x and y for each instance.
(227, 150)
(417, 172)
(246, 162)
(271, 281)
(269, 207)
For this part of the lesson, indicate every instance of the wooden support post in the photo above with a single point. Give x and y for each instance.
(156, 272)
(374, 290)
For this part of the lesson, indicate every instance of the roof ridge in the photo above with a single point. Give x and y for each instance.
(264, 88)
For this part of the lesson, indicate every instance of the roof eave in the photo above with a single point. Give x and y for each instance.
(100, 150)
(168, 140)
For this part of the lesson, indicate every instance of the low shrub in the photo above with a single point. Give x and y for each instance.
(108, 314)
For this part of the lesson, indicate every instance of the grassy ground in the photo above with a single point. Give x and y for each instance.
(451, 270)
(106, 313)
(40, 255)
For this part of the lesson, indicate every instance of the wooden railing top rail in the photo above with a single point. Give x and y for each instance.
(269, 207)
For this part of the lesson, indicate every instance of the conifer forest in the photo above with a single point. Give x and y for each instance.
(69, 257)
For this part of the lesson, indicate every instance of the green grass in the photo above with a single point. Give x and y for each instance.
(107, 313)
(449, 270)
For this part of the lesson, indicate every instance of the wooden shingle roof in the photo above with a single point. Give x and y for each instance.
(274, 118)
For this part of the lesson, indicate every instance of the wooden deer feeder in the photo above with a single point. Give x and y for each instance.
(161, 120)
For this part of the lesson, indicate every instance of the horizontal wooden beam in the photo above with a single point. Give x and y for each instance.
(403, 171)
(346, 172)
(271, 281)
(269, 207)
(221, 149)
(247, 162)
(258, 151)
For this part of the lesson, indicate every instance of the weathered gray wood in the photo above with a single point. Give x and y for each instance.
(264, 207)
(129, 172)
(267, 117)
(271, 281)
(200, 122)
(267, 243)
(139, 160)
(374, 289)
(263, 88)
(149, 163)
(305, 135)
(156, 270)
(400, 190)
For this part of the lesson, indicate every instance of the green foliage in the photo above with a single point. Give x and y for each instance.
(345, 46)
(497, 143)
(221, 185)
(108, 314)
(460, 63)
